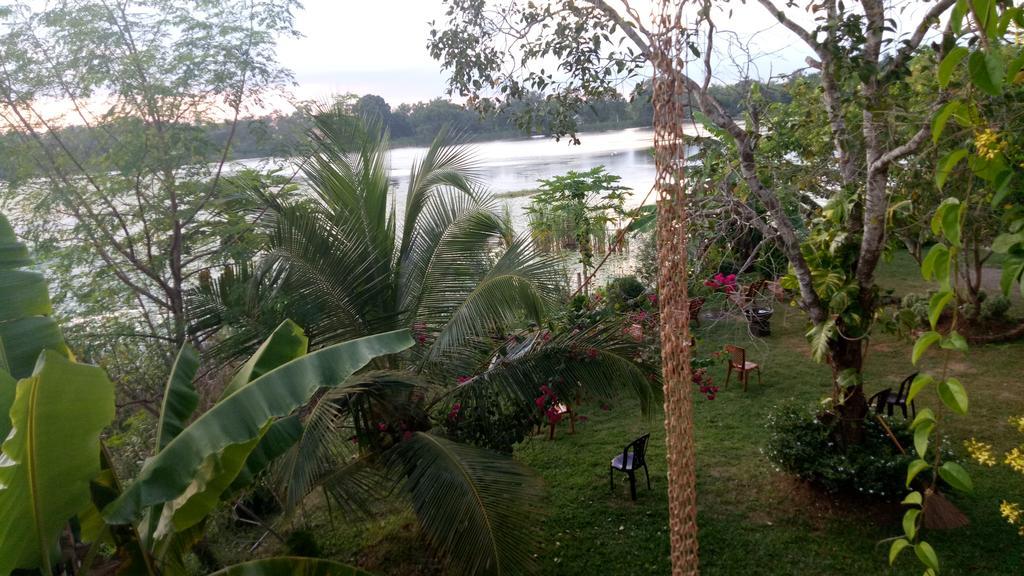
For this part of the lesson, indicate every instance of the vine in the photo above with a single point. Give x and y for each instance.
(994, 158)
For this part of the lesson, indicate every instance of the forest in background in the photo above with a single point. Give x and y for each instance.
(281, 134)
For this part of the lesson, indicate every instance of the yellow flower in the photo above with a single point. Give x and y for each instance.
(989, 144)
(980, 452)
(1018, 421)
(1015, 459)
(1011, 511)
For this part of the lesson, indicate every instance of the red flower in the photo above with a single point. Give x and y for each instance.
(464, 379)
(382, 426)
(652, 298)
(592, 353)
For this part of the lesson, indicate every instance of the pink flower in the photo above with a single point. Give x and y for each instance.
(652, 298)
(592, 353)
(382, 426)
(464, 379)
(540, 401)
(545, 336)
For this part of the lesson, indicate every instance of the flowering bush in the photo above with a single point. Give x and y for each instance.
(723, 282)
(804, 444)
(984, 454)
(547, 404)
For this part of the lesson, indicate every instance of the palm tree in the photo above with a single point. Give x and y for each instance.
(339, 262)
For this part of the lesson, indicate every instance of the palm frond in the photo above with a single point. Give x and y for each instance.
(478, 508)
(455, 237)
(446, 166)
(329, 275)
(522, 284)
(348, 173)
(596, 362)
(326, 454)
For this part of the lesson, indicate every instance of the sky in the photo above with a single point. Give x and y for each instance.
(365, 46)
(346, 48)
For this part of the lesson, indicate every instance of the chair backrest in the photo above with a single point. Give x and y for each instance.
(639, 448)
(905, 387)
(737, 355)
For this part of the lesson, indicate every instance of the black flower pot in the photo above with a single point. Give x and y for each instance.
(760, 321)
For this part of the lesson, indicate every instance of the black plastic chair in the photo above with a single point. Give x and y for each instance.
(886, 400)
(633, 457)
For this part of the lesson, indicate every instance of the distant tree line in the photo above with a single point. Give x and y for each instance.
(409, 124)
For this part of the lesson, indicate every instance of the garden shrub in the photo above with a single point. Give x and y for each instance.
(917, 304)
(995, 308)
(804, 444)
(624, 292)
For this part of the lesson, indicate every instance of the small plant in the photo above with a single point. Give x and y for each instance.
(995, 308)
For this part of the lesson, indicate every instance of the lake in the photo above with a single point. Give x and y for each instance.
(508, 166)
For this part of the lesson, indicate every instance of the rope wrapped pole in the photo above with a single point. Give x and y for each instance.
(670, 158)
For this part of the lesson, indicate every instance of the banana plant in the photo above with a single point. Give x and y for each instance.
(54, 409)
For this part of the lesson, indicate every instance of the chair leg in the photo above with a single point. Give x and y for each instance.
(728, 375)
(903, 409)
(745, 376)
(913, 409)
(632, 484)
(759, 376)
(551, 432)
(648, 474)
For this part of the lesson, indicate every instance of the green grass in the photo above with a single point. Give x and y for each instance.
(752, 518)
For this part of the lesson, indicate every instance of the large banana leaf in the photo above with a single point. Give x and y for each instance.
(238, 462)
(180, 396)
(290, 566)
(477, 507)
(26, 327)
(245, 415)
(49, 457)
(285, 344)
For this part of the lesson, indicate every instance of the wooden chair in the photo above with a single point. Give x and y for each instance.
(738, 362)
(563, 411)
(633, 458)
(695, 307)
(886, 400)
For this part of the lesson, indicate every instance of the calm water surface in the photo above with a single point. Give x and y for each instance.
(516, 165)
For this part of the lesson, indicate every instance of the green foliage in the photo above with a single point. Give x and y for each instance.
(51, 455)
(489, 420)
(995, 307)
(26, 323)
(806, 445)
(480, 490)
(573, 211)
(241, 419)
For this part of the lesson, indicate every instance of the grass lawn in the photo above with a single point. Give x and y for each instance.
(752, 518)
